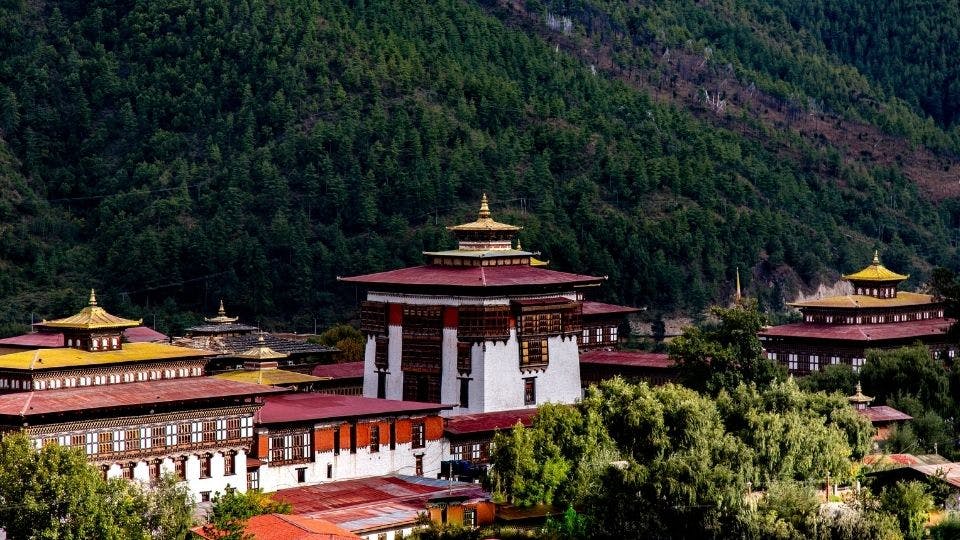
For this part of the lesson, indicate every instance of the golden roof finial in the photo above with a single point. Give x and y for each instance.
(484, 207)
(519, 247)
(222, 312)
(738, 296)
(876, 257)
(93, 297)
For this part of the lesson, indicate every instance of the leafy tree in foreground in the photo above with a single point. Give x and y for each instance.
(908, 371)
(54, 493)
(723, 356)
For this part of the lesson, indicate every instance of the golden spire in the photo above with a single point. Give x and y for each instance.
(519, 247)
(876, 257)
(738, 297)
(222, 311)
(93, 297)
(484, 208)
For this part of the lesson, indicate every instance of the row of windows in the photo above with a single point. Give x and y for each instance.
(795, 362)
(155, 437)
(297, 447)
(874, 319)
(155, 468)
(96, 343)
(96, 380)
(600, 335)
(478, 451)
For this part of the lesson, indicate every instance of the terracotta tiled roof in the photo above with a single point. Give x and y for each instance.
(860, 332)
(286, 527)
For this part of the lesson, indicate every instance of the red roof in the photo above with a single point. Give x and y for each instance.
(24, 404)
(375, 503)
(284, 527)
(474, 277)
(882, 413)
(143, 334)
(346, 370)
(599, 308)
(627, 358)
(35, 340)
(861, 332)
(307, 406)
(483, 423)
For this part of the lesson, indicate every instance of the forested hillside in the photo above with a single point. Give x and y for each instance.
(174, 152)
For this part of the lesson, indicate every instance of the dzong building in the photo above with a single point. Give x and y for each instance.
(877, 315)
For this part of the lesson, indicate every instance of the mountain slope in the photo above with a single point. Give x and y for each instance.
(254, 151)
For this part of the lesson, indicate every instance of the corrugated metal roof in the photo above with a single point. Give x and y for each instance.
(345, 370)
(372, 504)
(35, 339)
(600, 308)
(627, 358)
(473, 277)
(144, 334)
(306, 407)
(487, 423)
(861, 332)
(883, 413)
(25, 404)
(286, 527)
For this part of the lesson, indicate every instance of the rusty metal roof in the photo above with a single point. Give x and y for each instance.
(373, 504)
(111, 396)
(308, 407)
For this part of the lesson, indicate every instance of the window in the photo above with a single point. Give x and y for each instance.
(229, 464)
(374, 438)
(298, 444)
(530, 391)
(792, 362)
(301, 474)
(127, 469)
(289, 448)
(336, 441)
(475, 451)
(78, 440)
(464, 357)
(204, 496)
(418, 435)
(209, 432)
(534, 352)
(814, 362)
(857, 363)
(353, 438)
(105, 442)
(184, 433)
(154, 469)
(276, 448)
(233, 428)
(464, 392)
(131, 440)
(205, 466)
(469, 517)
(418, 468)
(456, 452)
(158, 436)
(393, 435)
(180, 467)
(381, 385)
(329, 470)
(253, 479)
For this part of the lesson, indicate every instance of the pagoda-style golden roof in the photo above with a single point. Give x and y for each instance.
(272, 377)
(484, 222)
(68, 357)
(92, 317)
(875, 272)
(221, 317)
(858, 397)
(261, 352)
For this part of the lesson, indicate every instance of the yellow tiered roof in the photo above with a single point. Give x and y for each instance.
(92, 317)
(875, 272)
(484, 222)
(70, 357)
(864, 301)
(270, 377)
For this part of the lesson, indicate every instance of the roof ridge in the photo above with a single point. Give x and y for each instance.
(26, 404)
(284, 518)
